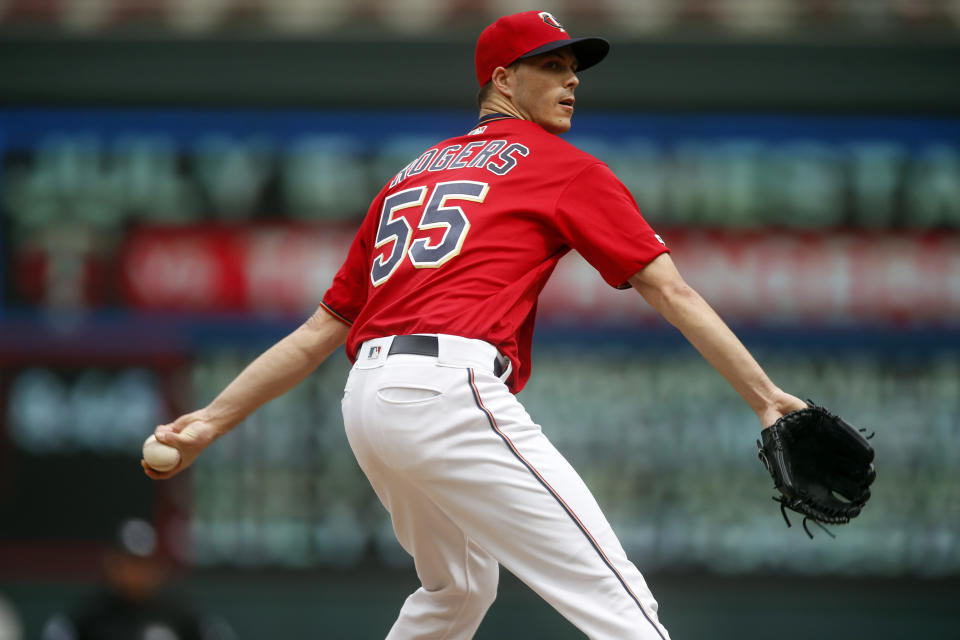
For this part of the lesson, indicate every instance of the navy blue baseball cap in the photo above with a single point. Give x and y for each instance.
(530, 33)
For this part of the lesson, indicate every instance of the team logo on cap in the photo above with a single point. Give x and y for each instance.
(547, 17)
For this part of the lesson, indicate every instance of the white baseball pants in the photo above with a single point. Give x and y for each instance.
(470, 481)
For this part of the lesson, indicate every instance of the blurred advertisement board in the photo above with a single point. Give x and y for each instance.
(774, 277)
(665, 445)
(105, 169)
(835, 219)
(70, 437)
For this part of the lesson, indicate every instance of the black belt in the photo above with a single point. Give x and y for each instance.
(428, 346)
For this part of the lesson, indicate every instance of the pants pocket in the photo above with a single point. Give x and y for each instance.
(408, 394)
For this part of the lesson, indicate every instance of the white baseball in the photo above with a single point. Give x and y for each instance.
(159, 456)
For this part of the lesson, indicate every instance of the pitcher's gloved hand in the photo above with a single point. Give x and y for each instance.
(822, 466)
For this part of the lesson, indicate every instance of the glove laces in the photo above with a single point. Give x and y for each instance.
(783, 511)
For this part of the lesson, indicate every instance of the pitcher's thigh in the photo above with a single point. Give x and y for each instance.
(518, 497)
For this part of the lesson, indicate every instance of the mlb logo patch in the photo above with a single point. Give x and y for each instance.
(374, 353)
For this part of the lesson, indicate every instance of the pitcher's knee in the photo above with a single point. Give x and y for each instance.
(468, 598)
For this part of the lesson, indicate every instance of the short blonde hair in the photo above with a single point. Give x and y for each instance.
(484, 93)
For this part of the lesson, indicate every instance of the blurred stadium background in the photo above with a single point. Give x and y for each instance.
(178, 182)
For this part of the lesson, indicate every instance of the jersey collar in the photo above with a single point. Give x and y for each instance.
(493, 117)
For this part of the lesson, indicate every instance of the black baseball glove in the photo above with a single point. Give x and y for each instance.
(822, 466)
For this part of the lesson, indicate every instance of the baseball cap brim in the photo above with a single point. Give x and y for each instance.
(589, 51)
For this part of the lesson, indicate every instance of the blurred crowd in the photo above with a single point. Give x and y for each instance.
(433, 18)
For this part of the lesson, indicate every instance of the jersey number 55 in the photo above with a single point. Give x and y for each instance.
(437, 214)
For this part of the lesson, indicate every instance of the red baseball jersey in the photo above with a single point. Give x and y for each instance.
(464, 238)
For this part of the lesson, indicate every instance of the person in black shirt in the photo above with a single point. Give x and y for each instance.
(132, 604)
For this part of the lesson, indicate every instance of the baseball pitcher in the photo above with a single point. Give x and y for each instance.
(436, 302)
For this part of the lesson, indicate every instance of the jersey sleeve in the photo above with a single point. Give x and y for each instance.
(347, 294)
(598, 217)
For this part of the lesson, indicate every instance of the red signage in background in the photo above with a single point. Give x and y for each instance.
(189, 268)
(766, 277)
(289, 268)
(777, 277)
(209, 268)
(63, 267)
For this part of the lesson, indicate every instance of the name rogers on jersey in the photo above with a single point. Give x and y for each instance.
(496, 156)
